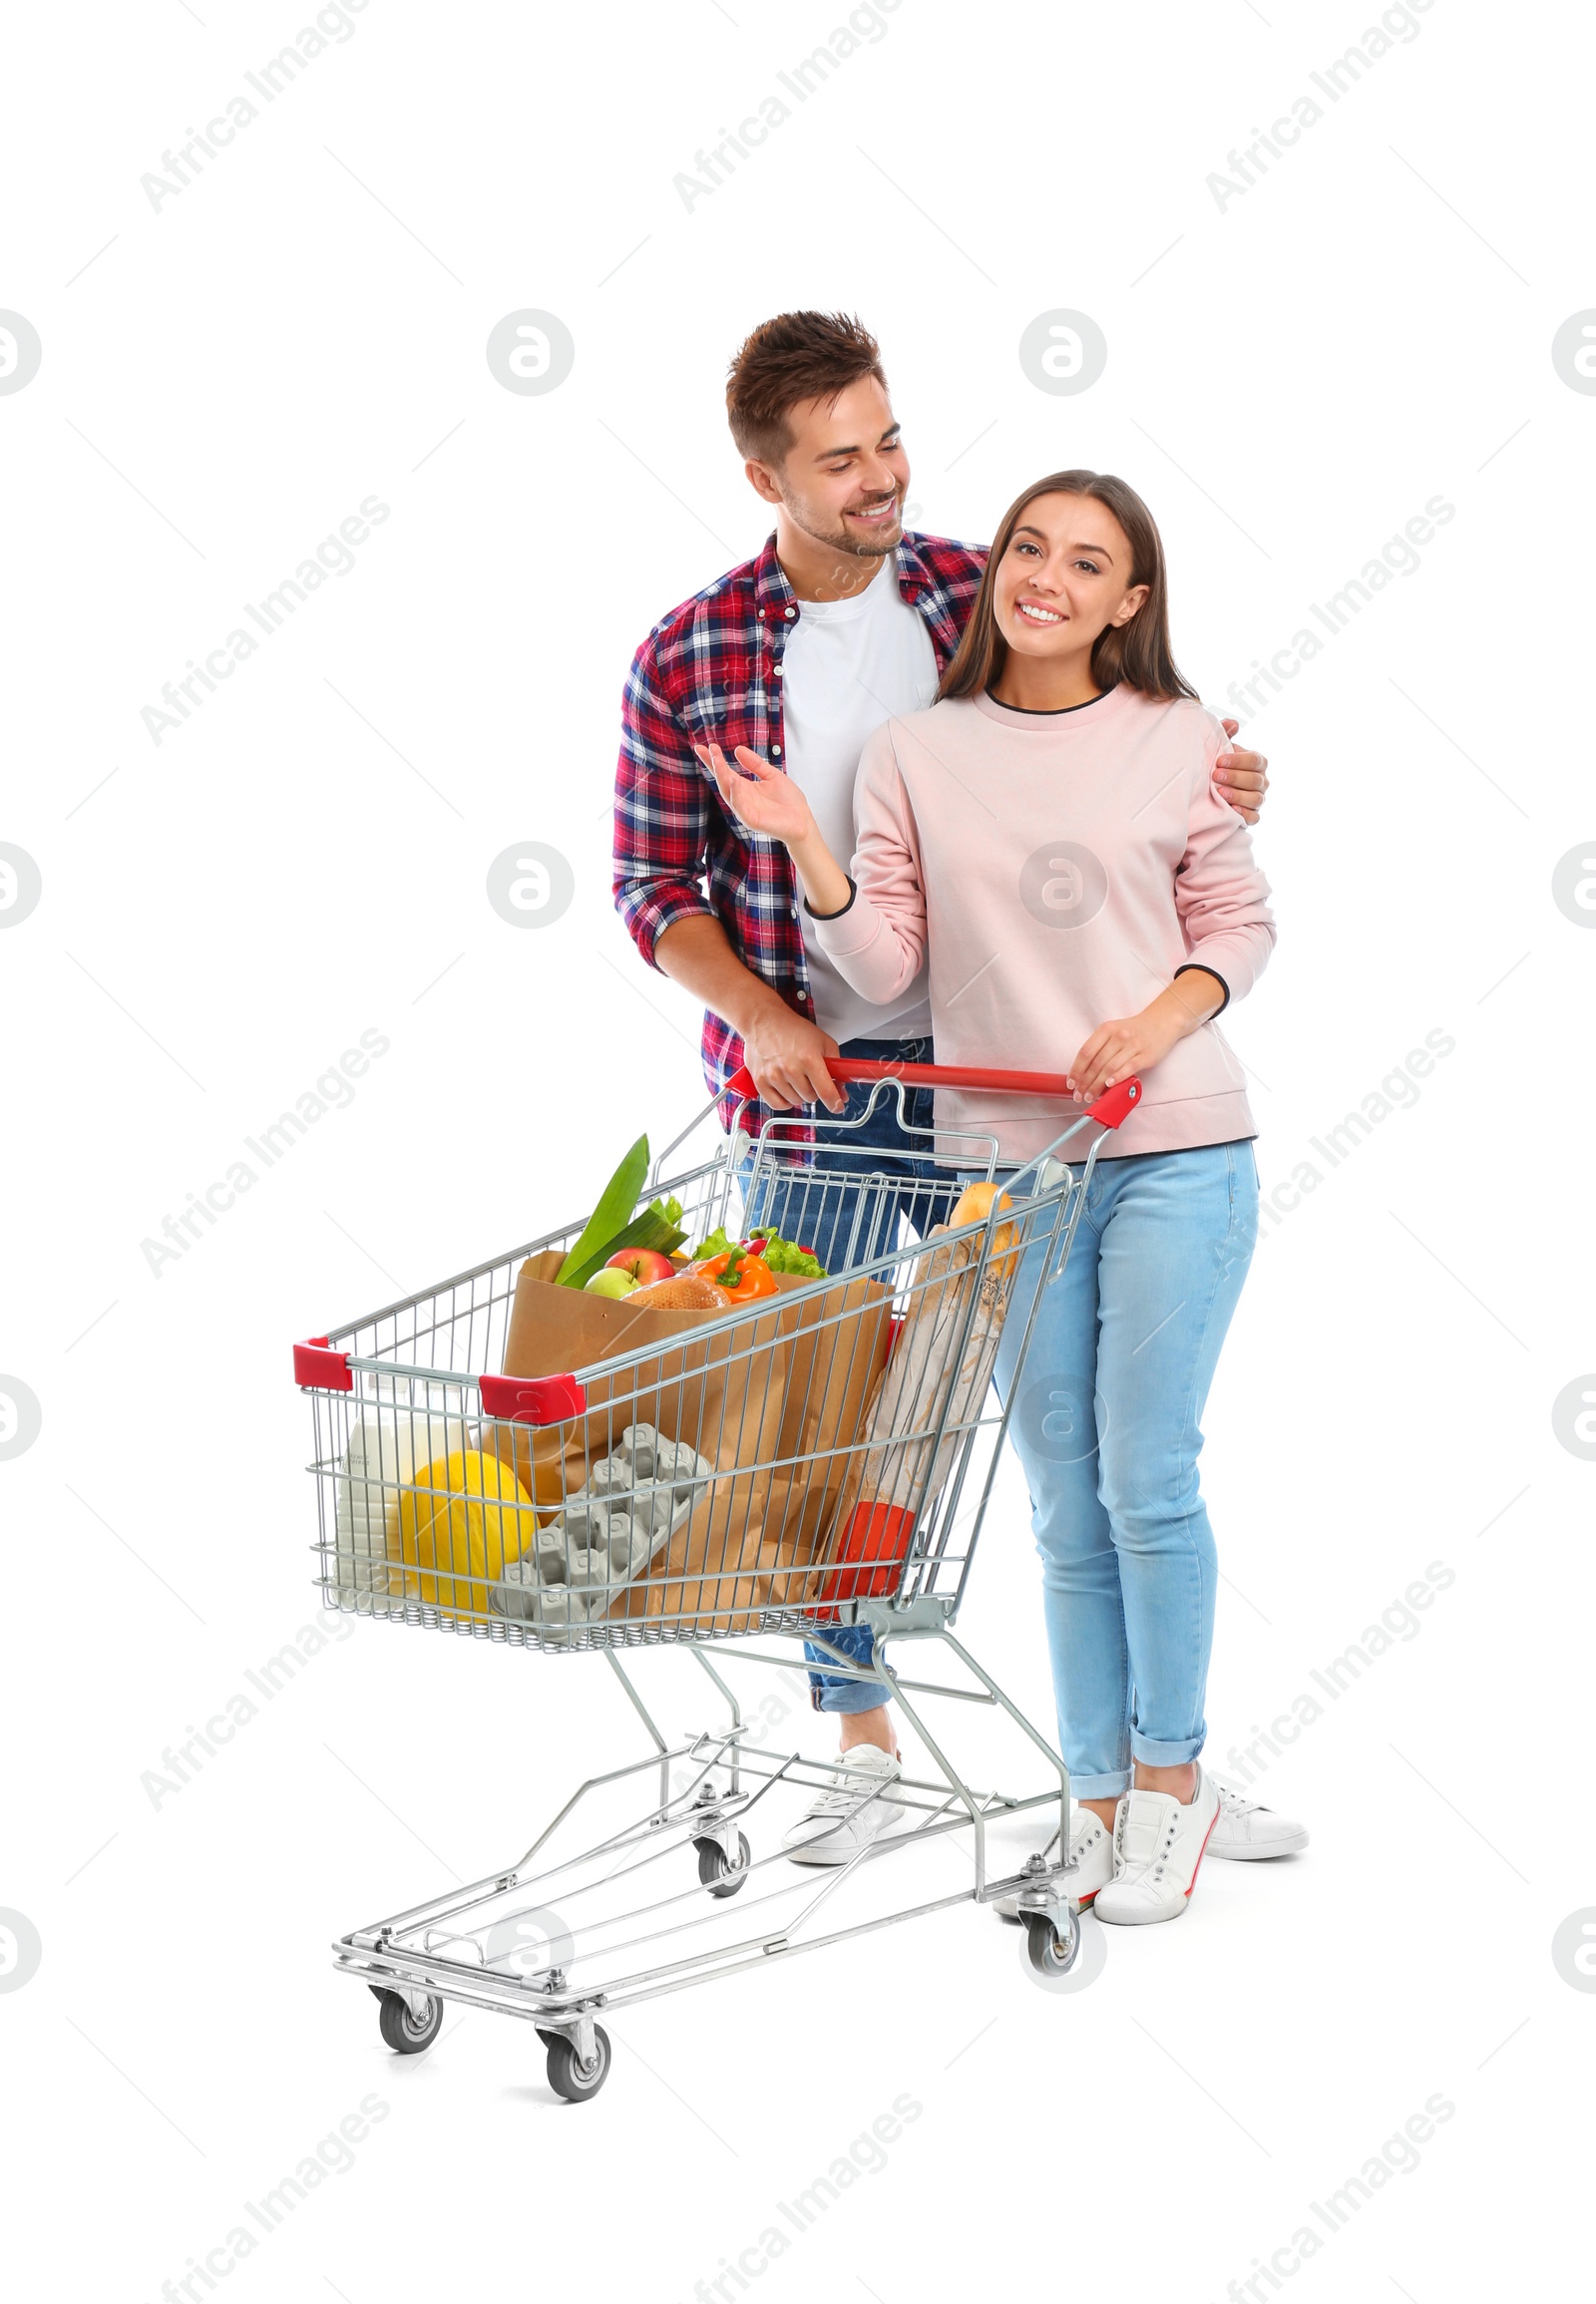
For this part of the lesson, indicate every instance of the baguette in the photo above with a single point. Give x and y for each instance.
(976, 1203)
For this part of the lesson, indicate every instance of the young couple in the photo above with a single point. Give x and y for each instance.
(886, 795)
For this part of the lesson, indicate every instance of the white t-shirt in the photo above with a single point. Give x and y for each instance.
(849, 665)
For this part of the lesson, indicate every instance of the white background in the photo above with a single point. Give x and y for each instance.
(1290, 378)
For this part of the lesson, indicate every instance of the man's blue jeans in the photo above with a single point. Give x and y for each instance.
(849, 1226)
(1106, 1425)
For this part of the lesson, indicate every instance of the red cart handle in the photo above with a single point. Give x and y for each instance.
(1108, 1112)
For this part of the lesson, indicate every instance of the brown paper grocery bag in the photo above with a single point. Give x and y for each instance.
(840, 1345)
(774, 1404)
(722, 1394)
(747, 1548)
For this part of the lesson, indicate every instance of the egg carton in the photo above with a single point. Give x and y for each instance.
(609, 1531)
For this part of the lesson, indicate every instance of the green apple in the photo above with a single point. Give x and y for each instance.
(610, 1282)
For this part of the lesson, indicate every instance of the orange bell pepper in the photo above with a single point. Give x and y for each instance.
(743, 1274)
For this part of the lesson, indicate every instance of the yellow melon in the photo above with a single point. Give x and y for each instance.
(467, 1513)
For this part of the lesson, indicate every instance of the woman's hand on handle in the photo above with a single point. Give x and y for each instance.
(1127, 1045)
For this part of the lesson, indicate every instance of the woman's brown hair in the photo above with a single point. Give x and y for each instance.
(1134, 655)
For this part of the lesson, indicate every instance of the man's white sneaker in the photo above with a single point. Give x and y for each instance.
(1247, 1831)
(1158, 1845)
(849, 1816)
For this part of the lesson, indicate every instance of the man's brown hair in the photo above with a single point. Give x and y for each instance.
(796, 356)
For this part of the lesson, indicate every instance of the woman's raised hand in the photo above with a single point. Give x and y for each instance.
(757, 794)
(766, 801)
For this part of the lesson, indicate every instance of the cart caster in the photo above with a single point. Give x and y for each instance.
(1051, 1953)
(716, 1872)
(567, 2077)
(406, 2034)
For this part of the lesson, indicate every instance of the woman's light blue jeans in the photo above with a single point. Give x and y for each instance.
(1106, 1425)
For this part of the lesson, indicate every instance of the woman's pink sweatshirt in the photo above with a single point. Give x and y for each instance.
(1059, 868)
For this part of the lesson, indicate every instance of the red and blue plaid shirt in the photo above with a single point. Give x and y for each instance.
(710, 672)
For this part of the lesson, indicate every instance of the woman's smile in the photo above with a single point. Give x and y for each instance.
(1060, 585)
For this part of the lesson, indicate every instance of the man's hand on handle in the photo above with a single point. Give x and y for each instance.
(787, 1054)
(1242, 778)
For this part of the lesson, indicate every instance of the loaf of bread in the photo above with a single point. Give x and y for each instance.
(686, 1292)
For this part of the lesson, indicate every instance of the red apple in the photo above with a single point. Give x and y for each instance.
(646, 1264)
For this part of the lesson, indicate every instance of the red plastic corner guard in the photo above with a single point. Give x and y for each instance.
(531, 1399)
(1114, 1104)
(317, 1368)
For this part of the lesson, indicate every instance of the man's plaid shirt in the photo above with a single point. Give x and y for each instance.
(711, 671)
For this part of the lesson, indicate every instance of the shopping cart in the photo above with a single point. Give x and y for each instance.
(695, 1495)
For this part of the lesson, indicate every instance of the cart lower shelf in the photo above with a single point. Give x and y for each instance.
(703, 1883)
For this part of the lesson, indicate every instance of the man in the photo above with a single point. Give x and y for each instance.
(842, 621)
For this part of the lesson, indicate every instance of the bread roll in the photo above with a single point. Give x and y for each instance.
(685, 1292)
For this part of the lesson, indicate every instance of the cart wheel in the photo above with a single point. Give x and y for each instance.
(1050, 1954)
(572, 2080)
(715, 1873)
(405, 2033)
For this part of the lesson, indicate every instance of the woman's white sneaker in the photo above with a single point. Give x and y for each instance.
(1248, 1831)
(850, 1816)
(1091, 1856)
(1158, 1845)
(1091, 1851)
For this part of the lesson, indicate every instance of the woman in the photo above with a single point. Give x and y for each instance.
(1049, 835)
